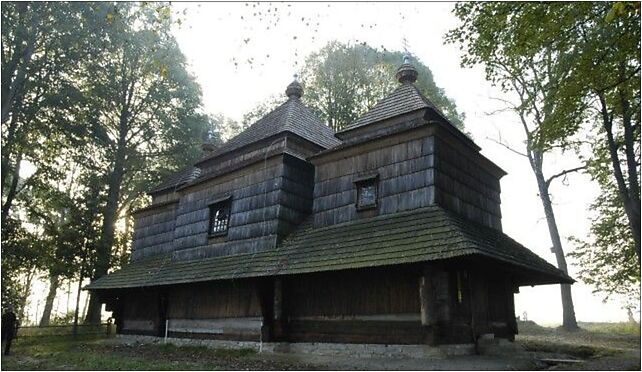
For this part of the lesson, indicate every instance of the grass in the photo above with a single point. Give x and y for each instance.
(623, 328)
(602, 345)
(64, 352)
(88, 352)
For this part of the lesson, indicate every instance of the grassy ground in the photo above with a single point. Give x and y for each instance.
(100, 353)
(605, 346)
(600, 346)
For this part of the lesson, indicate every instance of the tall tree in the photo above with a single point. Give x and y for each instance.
(599, 43)
(343, 81)
(143, 116)
(534, 79)
(41, 44)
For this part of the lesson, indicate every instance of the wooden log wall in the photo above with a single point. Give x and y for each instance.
(268, 200)
(295, 203)
(270, 187)
(154, 231)
(406, 180)
(139, 310)
(228, 310)
(487, 306)
(364, 306)
(463, 186)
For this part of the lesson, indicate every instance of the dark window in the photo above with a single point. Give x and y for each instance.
(367, 193)
(219, 218)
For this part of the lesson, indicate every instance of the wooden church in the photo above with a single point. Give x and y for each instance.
(387, 232)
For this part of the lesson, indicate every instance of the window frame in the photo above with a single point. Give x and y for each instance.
(364, 181)
(225, 204)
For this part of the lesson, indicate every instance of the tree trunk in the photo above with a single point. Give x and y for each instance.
(630, 198)
(110, 215)
(123, 253)
(13, 189)
(568, 310)
(25, 295)
(632, 170)
(54, 282)
(629, 313)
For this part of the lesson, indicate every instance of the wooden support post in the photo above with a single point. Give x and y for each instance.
(425, 300)
(510, 299)
(265, 294)
(279, 329)
(278, 299)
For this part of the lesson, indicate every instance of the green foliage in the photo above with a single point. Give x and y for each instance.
(255, 114)
(96, 97)
(64, 319)
(22, 252)
(41, 45)
(343, 81)
(499, 37)
(585, 57)
(607, 259)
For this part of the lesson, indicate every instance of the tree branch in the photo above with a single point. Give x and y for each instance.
(506, 146)
(563, 173)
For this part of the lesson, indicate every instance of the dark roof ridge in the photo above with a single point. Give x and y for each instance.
(293, 116)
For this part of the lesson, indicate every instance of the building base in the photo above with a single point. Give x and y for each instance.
(354, 350)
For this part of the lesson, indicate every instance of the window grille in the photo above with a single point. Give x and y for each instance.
(219, 218)
(366, 193)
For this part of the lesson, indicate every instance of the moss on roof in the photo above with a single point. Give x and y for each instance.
(421, 235)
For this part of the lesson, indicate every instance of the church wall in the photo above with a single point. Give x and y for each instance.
(369, 306)
(139, 313)
(154, 231)
(227, 310)
(463, 185)
(404, 166)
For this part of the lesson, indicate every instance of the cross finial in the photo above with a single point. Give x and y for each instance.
(296, 76)
(404, 43)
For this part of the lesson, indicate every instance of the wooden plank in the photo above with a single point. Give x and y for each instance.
(424, 299)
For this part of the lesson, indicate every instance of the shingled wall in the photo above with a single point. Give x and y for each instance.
(404, 167)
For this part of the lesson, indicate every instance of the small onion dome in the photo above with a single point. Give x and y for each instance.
(406, 73)
(294, 89)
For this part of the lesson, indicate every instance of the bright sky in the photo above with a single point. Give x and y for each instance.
(215, 35)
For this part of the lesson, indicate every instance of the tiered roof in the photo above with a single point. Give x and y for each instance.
(426, 234)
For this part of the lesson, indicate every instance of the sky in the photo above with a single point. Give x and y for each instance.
(244, 53)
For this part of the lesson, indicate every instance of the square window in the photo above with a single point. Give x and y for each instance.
(219, 218)
(367, 193)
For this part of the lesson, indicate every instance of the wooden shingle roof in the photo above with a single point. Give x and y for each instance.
(174, 180)
(292, 116)
(422, 235)
(405, 99)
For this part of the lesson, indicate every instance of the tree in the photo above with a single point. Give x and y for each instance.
(144, 115)
(600, 46)
(607, 258)
(22, 253)
(343, 81)
(41, 44)
(487, 37)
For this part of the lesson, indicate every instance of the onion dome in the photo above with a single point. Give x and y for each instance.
(406, 73)
(294, 90)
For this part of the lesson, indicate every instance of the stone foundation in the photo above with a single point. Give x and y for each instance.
(354, 350)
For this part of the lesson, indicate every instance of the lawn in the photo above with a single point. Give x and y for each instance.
(602, 346)
(103, 353)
